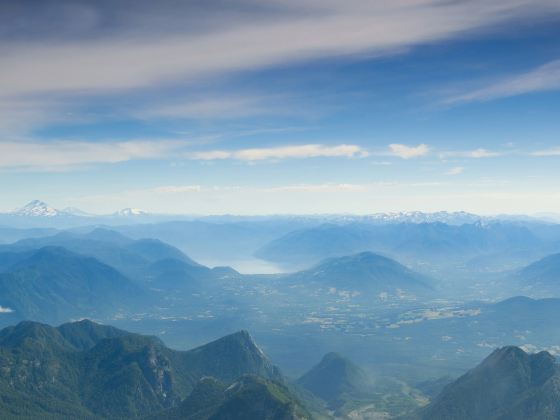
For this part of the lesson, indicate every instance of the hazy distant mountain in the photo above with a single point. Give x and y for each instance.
(85, 370)
(134, 258)
(436, 242)
(215, 240)
(9, 235)
(508, 385)
(337, 380)
(54, 284)
(366, 273)
(451, 218)
(542, 278)
(37, 208)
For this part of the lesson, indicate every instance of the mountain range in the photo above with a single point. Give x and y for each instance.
(104, 274)
(501, 243)
(90, 371)
(136, 259)
(38, 208)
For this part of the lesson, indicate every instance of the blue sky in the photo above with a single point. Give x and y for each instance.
(284, 107)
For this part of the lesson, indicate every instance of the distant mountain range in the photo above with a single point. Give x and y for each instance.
(97, 274)
(38, 208)
(502, 243)
(508, 385)
(90, 371)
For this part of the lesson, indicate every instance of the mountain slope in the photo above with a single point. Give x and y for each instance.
(508, 384)
(336, 380)
(100, 372)
(243, 355)
(131, 257)
(250, 397)
(365, 273)
(434, 242)
(541, 277)
(37, 208)
(54, 284)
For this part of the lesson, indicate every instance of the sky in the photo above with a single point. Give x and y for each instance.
(281, 107)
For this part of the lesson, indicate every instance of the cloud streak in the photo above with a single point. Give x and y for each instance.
(555, 151)
(285, 152)
(543, 78)
(408, 152)
(293, 32)
(473, 154)
(68, 154)
(455, 171)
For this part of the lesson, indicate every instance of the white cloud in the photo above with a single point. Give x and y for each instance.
(555, 151)
(224, 107)
(5, 310)
(319, 188)
(543, 78)
(455, 171)
(408, 152)
(285, 152)
(64, 154)
(177, 189)
(474, 154)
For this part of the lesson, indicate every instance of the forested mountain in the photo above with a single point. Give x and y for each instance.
(249, 397)
(510, 384)
(86, 370)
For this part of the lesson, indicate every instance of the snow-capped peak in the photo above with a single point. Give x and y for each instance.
(420, 217)
(130, 212)
(37, 208)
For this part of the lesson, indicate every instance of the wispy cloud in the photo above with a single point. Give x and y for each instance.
(455, 171)
(555, 151)
(408, 152)
(285, 152)
(474, 154)
(313, 188)
(219, 107)
(177, 189)
(133, 58)
(68, 154)
(543, 78)
(319, 188)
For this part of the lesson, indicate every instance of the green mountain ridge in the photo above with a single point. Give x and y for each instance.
(510, 384)
(96, 371)
(249, 397)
